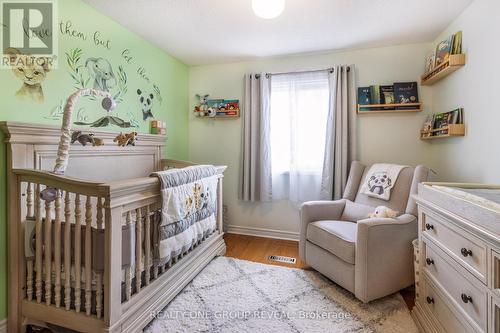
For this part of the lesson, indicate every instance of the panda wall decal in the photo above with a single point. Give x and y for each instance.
(146, 101)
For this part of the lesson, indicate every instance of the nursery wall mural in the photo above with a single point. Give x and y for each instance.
(94, 52)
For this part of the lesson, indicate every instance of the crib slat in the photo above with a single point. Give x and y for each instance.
(78, 249)
(38, 244)
(155, 271)
(29, 279)
(99, 214)
(155, 236)
(29, 200)
(147, 245)
(67, 251)
(128, 270)
(57, 251)
(138, 249)
(47, 254)
(98, 306)
(88, 256)
(99, 217)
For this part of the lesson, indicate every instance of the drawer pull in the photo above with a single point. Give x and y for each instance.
(429, 261)
(466, 252)
(430, 300)
(466, 299)
(429, 226)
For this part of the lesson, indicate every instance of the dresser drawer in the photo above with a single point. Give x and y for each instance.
(434, 305)
(495, 315)
(464, 247)
(495, 273)
(466, 291)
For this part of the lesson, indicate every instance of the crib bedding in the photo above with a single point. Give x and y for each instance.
(188, 198)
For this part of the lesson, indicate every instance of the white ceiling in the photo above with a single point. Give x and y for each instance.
(214, 31)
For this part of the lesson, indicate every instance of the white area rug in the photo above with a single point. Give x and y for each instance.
(232, 295)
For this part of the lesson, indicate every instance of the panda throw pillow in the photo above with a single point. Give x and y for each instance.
(380, 179)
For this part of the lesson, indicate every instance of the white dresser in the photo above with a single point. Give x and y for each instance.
(459, 258)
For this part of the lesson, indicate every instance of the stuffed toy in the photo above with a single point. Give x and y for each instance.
(83, 139)
(126, 139)
(202, 107)
(383, 212)
(98, 142)
(211, 112)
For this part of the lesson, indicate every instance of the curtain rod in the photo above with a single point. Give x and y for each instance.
(331, 70)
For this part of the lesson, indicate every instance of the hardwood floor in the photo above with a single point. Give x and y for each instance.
(258, 249)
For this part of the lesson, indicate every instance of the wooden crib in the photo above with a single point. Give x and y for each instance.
(105, 208)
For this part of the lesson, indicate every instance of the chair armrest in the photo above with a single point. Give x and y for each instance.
(315, 211)
(384, 256)
(375, 221)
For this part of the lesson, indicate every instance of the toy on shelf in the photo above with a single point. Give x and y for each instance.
(158, 127)
(219, 108)
(85, 139)
(126, 139)
(211, 112)
(201, 109)
(98, 142)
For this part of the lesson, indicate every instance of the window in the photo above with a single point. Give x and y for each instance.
(299, 110)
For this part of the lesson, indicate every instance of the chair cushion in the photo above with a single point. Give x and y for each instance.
(337, 237)
(354, 211)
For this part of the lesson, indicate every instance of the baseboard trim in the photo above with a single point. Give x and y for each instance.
(3, 326)
(262, 232)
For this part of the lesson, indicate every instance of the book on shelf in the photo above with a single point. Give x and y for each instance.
(364, 96)
(437, 124)
(428, 126)
(443, 50)
(457, 43)
(404, 93)
(387, 94)
(429, 62)
(375, 93)
(451, 45)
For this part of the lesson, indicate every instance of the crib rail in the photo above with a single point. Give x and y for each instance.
(74, 260)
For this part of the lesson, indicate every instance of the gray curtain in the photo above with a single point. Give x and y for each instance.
(255, 173)
(340, 148)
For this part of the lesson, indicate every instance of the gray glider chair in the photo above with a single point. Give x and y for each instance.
(370, 257)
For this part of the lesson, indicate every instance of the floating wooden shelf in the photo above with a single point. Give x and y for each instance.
(226, 116)
(388, 108)
(453, 130)
(454, 62)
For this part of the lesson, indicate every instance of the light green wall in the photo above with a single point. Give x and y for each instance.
(3, 231)
(168, 73)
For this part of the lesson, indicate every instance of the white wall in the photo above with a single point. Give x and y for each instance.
(476, 88)
(387, 137)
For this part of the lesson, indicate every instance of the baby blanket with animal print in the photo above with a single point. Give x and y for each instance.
(380, 179)
(188, 209)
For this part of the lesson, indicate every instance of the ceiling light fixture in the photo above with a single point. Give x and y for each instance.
(268, 9)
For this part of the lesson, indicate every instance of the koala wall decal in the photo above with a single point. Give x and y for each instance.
(146, 101)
